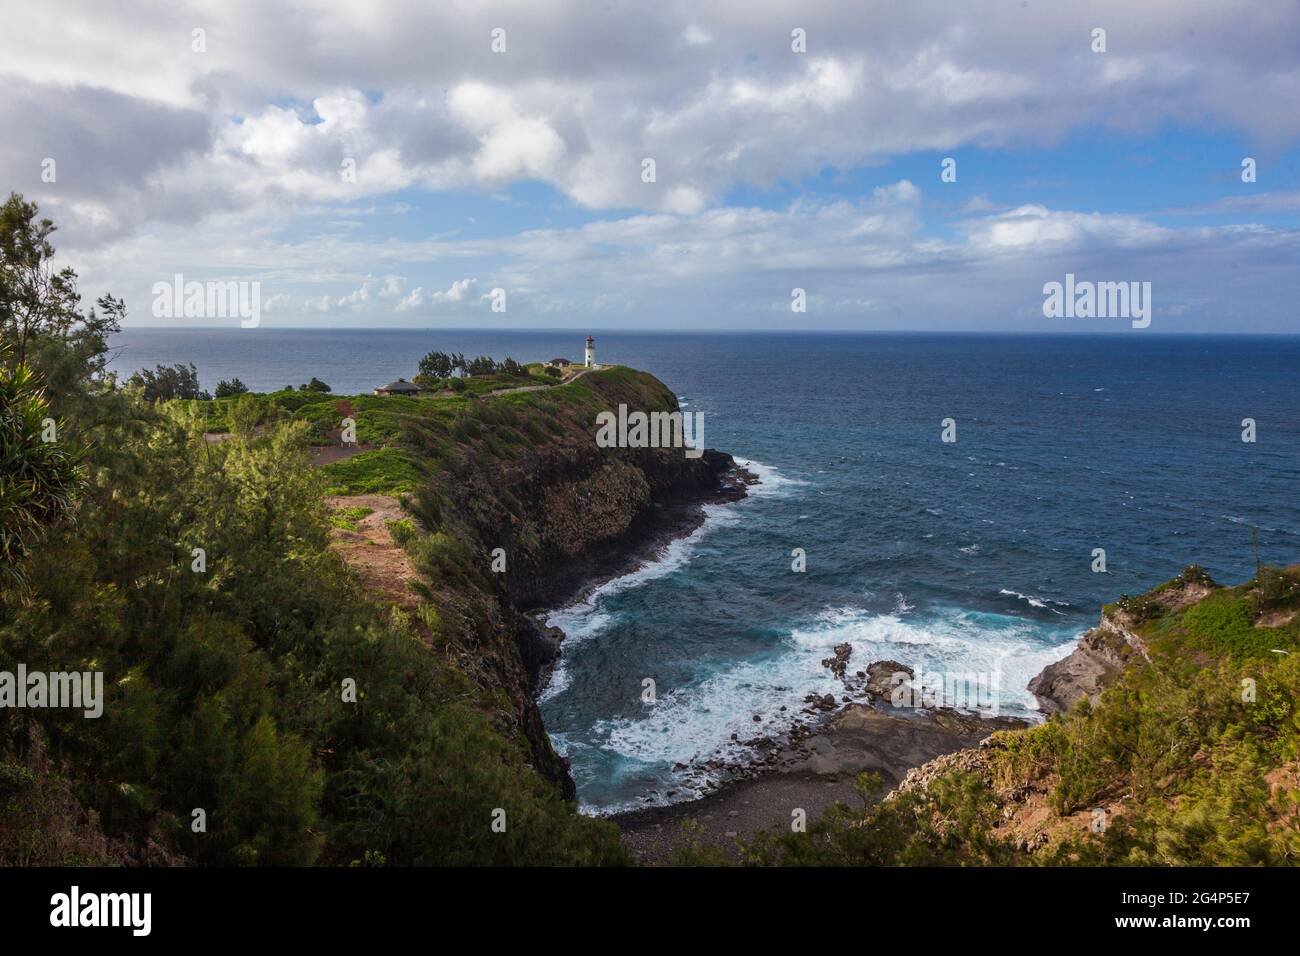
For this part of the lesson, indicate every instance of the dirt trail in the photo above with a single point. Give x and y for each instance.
(382, 564)
(538, 388)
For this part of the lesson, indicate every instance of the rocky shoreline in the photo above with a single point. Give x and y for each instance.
(835, 737)
(816, 767)
(665, 523)
(865, 732)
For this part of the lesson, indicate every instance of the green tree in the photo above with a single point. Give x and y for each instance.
(35, 299)
(41, 321)
(40, 472)
(436, 365)
(245, 413)
(168, 382)
(228, 389)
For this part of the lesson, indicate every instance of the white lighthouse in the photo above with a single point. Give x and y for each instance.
(591, 353)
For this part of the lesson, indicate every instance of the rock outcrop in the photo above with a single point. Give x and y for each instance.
(527, 477)
(1103, 652)
(1095, 663)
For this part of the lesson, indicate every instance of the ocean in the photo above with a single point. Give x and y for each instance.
(971, 556)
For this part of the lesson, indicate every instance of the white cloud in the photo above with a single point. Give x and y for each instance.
(713, 93)
(421, 298)
(864, 263)
(170, 158)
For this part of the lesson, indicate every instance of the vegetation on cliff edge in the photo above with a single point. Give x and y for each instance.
(198, 578)
(1192, 759)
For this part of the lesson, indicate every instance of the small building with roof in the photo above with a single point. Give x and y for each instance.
(400, 387)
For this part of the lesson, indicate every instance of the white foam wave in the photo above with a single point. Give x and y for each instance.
(586, 617)
(557, 684)
(771, 483)
(953, 641)
(1034, 601)
(695, 724)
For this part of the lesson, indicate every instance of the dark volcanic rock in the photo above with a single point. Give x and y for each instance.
(567, 514)
(816, 768)
(840, 662)
(539, 648)
(880, 677)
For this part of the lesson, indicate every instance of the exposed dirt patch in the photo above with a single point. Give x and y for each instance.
(1178, 599)
(328, 454)
(384, 567)
(1279, 618)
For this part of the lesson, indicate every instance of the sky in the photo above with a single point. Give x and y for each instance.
(391, 163)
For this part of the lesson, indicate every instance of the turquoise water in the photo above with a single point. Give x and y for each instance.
(973, 556)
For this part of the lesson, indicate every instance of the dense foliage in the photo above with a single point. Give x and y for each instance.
(437, 365)
(165, 382)
(39, 475)
(199, 579)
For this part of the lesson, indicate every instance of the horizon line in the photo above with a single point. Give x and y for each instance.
(714, 331)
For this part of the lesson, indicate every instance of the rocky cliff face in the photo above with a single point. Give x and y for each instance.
(1092, 666)
(1103, 653)
(563, 512)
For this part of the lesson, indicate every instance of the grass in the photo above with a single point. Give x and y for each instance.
(382, 471)
(347, 518)
(441, 429)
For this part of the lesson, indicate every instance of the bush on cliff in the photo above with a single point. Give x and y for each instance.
(1193, 758)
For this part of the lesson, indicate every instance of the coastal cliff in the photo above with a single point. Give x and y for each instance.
(519, 509)
(323, 649)
(1106, 650)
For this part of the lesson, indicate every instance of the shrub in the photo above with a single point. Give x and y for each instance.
(402, 531)
(1141, 608)
(1195, 574)
(1275, 586)
(245, 413)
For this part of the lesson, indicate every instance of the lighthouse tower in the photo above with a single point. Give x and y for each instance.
(591, 353)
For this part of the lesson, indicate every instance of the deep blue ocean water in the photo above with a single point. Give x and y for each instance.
(973, 556)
